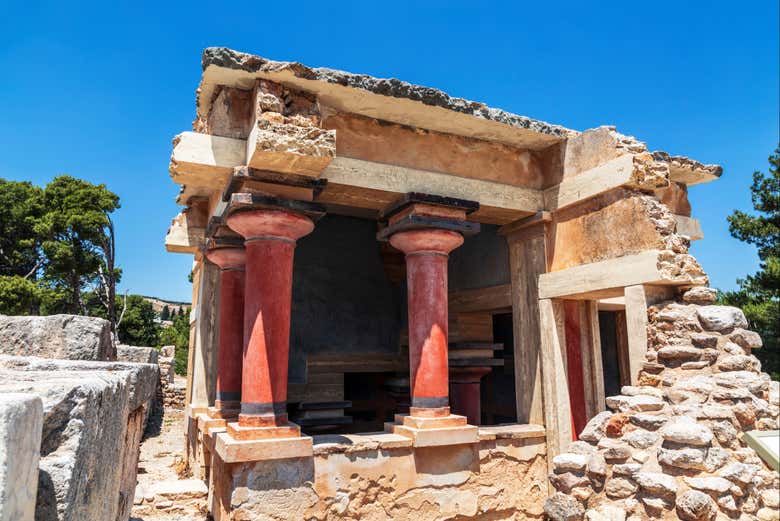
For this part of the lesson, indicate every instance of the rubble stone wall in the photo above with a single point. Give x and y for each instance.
(672, 447)
(496, 479)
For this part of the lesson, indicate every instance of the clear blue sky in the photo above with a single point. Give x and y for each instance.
(98, 91)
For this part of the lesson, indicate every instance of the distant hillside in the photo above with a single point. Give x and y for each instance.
(158, 304)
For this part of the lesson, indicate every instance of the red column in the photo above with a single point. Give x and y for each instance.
(466, 392)
(270, 243)
(574, 366)
(230, 345)
(426, 273)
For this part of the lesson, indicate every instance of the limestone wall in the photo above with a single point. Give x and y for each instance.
(673, 448)
(381, 477)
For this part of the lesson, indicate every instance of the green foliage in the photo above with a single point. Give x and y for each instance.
(759, 294)
(73, 230)
(19, 296)
(165, 314)
(138, 326)
(178, 335)
(21, 205)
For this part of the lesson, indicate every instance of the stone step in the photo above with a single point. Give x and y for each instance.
(184, 495)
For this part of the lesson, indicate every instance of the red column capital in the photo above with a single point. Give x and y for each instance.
(259, 224)
(228, 257)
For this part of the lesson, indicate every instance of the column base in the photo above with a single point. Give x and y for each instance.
(434, 431)
(192, 411)
(250, 432)
(206, 421)
(223, 413)
(231, 450)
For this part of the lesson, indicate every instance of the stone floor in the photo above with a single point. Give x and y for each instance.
(161, 494)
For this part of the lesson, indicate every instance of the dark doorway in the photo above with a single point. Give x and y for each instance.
(498, 386)
(610, 355)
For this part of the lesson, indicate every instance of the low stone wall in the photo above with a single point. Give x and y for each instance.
(92, 424)
(21, 422)
(137, 354)
(380, 476)
(673, 448)
(70, 337)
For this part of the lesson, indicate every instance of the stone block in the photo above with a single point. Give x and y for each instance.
(92, 426)
(21, 423)
(432, 437)
(231, 450)
(68, 337)
(139, 355)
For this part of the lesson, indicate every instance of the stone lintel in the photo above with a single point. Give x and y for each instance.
(231, 450)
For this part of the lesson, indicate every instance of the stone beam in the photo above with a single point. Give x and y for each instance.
(187, 230)
(183, 235)
(688, 171)
(689, 227)
(204, 160)
(605, 279)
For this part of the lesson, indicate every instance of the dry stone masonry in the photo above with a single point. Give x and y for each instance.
(671, 447)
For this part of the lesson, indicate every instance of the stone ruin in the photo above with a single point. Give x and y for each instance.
(567, 273)
(672, 447)
(71, 419)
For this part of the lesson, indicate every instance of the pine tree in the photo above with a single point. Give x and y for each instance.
(759, 294)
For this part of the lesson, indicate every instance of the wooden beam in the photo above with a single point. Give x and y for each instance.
(592, 364)
(604, 279)
(527, 259)
(366, 184)
(204, 365)
(590, 183)
(557, 411)
(636, 329)
(491, 298)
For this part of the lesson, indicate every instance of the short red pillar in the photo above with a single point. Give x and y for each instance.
(466, 392)
(427, 252)
(230, 346)
(270, 237)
